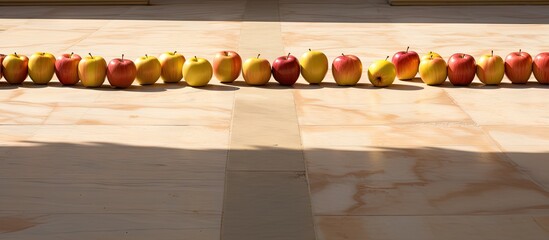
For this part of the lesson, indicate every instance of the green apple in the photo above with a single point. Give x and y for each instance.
(148, 70)
(314, 66)
(171, 64)
(490, 69)
(256, 71)
(92, 71)
(197, 72)
(41, 67)
(433, 70)
(15, 68)
(382, 73)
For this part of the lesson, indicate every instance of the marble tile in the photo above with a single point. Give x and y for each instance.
(429, 227)
(109, 226)
(377, 114)
(519, 135)
(173, 114)
(421, 135)
(24, 113)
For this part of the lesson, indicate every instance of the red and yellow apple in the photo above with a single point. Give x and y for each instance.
(148, 70)
(433, 70)
(314, 66)
(121, 72)
(197, 72)
(227, 66)
(382, 73)
(490, 69)
(2, 56)
(286, 70)
(92, 71)
(541, 67)
(172, 65)
(461, 69)
(406, 64)
(518, 67)
(66, 68)
(256, 71)
(41, 67)
(347, 70)
(15, 68)
(429, 55)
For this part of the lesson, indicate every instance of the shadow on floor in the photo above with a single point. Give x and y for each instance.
(348, 11)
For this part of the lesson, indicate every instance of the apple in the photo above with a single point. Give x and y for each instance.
(433, 70)
(541, 67)
(2, 56)
(461, 69)
(518, 67)
(490, 69)
(41, 67)
(382, 73)
(92, 71)
(406, 64)
(256, 71)
(14, 68)
(347, 70)
(429, 55)
(121, 72)
(197, 72)
(286, 70)
(314, 66)
(66, 68)
(171, 64)
(148, 70)
(227, 66)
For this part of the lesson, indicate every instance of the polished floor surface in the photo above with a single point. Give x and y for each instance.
(230, 161)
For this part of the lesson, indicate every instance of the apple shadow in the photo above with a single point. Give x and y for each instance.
(8, 86)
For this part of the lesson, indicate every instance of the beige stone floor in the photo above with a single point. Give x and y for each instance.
(173, 162)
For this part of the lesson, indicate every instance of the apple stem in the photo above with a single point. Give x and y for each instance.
(386, 58)
(309, 49)
(90, 55)
(431, 56)
(195, 58)
(71, 54)
(122, 56)
(407, 49)
(520, 50)
(174, 52)
(15, 53)
(342, 54)
(146, 56)
(258, 55)
(288, 56)
(492, 53)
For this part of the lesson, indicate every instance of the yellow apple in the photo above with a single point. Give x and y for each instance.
(433, 70)
(490, 69)
(197, 72)
(171, 64)
(256, 71)
(429, 54)
(15, 68)
(92, 71)
(148, 70)
(41, 67)
(382, 73)
(314, 66)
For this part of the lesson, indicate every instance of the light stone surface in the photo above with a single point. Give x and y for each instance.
(166, 161)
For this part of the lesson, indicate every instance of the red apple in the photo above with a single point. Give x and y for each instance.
(286, 70)
(406, 63)
(541, 67)
(15, 68)
(121, 72)
(461, 69)
(2, 56)
(518, 67)
(66, 68)
(347, 70)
